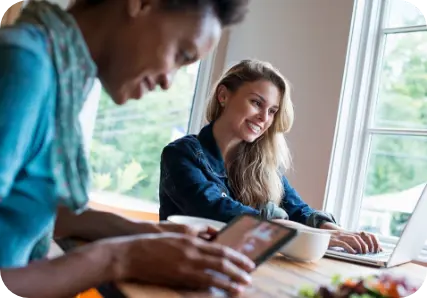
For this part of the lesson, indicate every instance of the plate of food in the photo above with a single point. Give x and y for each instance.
(373, 286)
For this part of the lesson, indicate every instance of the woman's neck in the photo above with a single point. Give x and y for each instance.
(226, 141)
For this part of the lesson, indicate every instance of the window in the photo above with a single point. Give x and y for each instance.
(128, 140)
(379, 164)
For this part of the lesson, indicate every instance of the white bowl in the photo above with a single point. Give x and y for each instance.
(197, 222)
(308, 246)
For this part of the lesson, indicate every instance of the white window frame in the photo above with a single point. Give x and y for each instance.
(201, 93)
(350, 154)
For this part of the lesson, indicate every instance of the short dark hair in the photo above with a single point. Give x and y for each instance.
(229, 12)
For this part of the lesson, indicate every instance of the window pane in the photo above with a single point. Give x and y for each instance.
(397, 172)
(402, 101)
(128, 140)
(403, 13)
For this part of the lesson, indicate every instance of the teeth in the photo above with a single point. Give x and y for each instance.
(254, 127)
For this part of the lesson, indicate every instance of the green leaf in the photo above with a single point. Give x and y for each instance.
(130, 176)
(307, 291)
(101, 181)
(336, 280)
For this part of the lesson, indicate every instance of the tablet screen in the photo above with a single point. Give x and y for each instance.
(253, 237)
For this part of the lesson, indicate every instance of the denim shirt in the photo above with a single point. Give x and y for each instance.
(193, 182)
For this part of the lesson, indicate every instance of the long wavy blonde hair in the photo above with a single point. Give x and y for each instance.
(255, 171)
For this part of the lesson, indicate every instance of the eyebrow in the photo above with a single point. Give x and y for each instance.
(263, 99)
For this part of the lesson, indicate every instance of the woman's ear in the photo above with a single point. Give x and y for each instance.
(136, 7)
(222, 95)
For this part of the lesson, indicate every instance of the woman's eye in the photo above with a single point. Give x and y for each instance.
(273, 112)
(186, 57)
(256, 102)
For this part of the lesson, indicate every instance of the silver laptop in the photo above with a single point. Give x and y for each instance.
(408, 247)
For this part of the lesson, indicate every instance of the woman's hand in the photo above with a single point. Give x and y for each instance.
(171, 259)
(352, 242)
(355, 242)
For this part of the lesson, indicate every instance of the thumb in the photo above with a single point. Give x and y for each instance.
(207, 233)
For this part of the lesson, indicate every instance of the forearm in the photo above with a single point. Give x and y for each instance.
(66, 276)
(93, 225)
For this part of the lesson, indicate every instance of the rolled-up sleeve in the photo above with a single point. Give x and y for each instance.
(300, 211)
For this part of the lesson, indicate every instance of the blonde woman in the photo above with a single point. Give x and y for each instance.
(235, 164)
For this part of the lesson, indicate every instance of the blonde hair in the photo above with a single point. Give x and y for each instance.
(255, 171)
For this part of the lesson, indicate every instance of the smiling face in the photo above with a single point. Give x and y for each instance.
(250, 110)
(151, 46)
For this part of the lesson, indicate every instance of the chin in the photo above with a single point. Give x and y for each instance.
(250, 139)
(119, 99)
(116, 96)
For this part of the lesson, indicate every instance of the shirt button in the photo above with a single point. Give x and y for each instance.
(224, 195)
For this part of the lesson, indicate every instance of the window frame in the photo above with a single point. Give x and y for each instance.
(201, 93)
(354, 127)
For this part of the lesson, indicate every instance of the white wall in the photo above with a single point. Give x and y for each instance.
(307, 40)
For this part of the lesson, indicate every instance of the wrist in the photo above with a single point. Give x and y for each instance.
(110, 254)
(144, 227)
(153, 227)
(326, 225)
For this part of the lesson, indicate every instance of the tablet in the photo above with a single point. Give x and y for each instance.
(256, 238)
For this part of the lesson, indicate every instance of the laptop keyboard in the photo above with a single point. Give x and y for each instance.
(376, 255)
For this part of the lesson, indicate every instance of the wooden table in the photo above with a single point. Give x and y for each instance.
(280, 277)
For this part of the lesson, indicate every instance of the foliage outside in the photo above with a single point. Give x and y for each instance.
(399, 162)
(128, 140)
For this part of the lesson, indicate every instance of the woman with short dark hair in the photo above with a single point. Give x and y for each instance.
(48, 61)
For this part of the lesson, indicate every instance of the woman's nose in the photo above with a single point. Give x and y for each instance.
(167, 79)
(263, 116)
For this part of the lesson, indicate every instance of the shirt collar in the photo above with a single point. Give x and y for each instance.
(211, 150)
